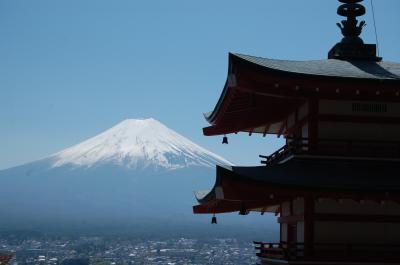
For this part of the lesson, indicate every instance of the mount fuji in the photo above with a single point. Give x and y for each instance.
(138, 145)
(134, 170)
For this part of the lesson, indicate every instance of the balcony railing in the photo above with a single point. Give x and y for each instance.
(328, 252)
(335, 147)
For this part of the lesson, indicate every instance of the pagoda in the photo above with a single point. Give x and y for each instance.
(335, 184)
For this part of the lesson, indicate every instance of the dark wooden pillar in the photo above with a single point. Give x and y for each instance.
(309, 221)
(313, 124)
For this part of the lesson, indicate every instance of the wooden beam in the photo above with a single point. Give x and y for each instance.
(257, 81)
(358, 218)
(299, 123)
(266, 128)
(313, 121)
(291, 219)
(251, 131)
(281, 129)
(358, 119)
(278, 210)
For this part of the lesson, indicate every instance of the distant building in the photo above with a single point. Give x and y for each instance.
(6, 258)
(75, 261)
(335, 185)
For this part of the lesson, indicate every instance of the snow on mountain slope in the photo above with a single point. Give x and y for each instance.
(138, 144)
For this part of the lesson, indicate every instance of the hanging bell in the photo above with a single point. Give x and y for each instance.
(214, 219)
(243, 210)
(225, 140)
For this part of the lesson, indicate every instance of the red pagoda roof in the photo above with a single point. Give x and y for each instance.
(265, 186)
(260, 92)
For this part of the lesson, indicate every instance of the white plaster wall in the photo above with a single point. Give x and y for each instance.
(304, 131)
(347, 232)
(300, 232)
(284, 231)
(347, 206)
(359, 131)
(346, 108)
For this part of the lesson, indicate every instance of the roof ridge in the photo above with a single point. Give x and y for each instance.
(329, 67)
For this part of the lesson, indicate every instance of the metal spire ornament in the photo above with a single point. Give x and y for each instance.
(352, 47)
(351, 29)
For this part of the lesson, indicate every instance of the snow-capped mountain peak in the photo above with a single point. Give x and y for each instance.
(138, 143)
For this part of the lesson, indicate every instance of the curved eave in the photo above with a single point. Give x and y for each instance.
(231, 94)
(210, 116)
(237, 80)
(219, 201)
(250, 188)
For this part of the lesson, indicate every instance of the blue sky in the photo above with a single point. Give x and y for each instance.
(71, 69)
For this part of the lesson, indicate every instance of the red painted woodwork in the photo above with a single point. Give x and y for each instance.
(263, 100)
(292, 233)
(328, 252)
(257, 113)
(262, 81)
(358, 218)
(291, 219)
(256, 195)
(259, 96)
(358, 119)
(313, 122)
(225, 206)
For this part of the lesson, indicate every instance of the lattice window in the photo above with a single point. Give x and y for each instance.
(369, 107)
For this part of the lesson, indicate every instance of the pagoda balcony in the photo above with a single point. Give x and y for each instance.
(334, 148)
(326, 253)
